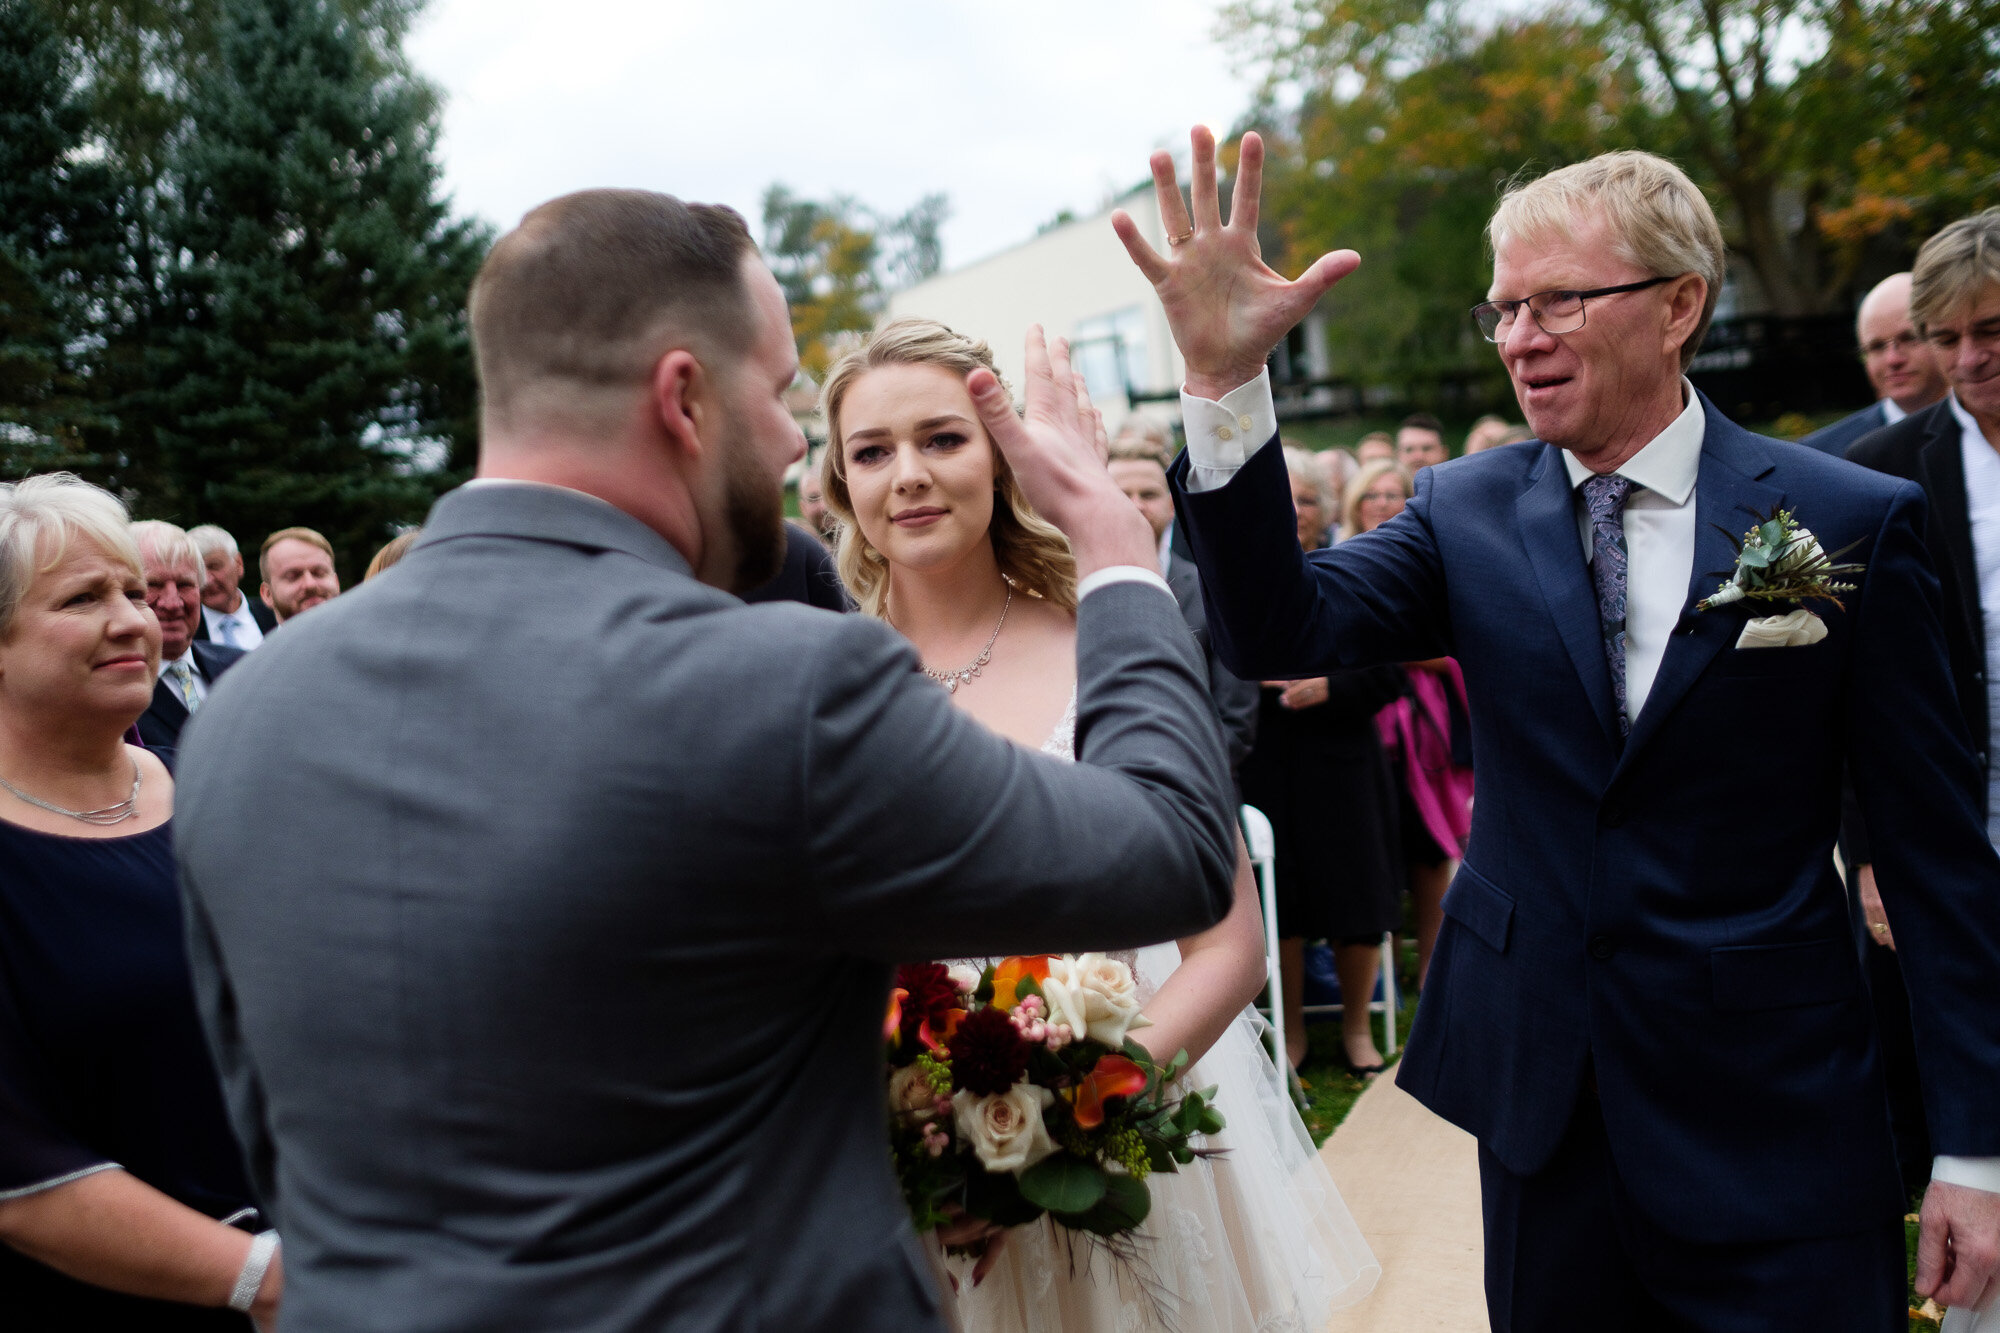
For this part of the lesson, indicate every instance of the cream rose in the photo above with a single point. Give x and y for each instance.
(964, 976)
(911, 1094)
(1095, 995)
(1005, 1129)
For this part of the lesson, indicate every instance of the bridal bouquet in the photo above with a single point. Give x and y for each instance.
(1015, 1092)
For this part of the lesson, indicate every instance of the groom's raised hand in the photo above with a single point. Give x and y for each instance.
(1056, 449)
(1227, 307)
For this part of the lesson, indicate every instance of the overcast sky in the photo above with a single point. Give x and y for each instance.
(1014, 110)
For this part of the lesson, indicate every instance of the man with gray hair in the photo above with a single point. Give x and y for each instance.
(230, 616)
(1645, 1002)
(188, 669)
(1899, 366)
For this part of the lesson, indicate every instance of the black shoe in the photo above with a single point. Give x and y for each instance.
(1360, 1071)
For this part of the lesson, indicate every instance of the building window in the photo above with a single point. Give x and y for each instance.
(1110, 352)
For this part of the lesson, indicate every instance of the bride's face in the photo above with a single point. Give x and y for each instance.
(920, 467)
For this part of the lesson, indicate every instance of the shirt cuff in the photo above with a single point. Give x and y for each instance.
(1111, 574)
(1975, 1173)
(1221, 436)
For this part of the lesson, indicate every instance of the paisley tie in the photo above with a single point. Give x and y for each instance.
(1604, 497)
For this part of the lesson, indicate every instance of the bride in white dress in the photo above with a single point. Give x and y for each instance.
(938, 541)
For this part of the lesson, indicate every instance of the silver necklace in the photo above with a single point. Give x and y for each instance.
(951, 680)
(110, 814)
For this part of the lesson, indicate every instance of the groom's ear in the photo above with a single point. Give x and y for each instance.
(684, 402)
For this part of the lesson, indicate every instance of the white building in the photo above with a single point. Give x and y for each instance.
(1076, 281)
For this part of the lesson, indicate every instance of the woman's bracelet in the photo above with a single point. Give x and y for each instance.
(255, 1264)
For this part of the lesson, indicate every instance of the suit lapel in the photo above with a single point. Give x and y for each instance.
(1729, 499)
(1555, 550)
(1941, 469)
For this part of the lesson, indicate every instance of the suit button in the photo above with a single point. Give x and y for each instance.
(1612, 815)
(1601, 947)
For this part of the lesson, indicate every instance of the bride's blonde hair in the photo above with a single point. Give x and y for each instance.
(1033, 555)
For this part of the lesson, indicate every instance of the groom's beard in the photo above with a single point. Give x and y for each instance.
(755, 512)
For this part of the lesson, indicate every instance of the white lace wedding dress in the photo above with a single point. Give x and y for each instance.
(1255, 1240)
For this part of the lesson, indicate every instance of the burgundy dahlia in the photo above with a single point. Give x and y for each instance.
(933, 998)
(988, 1053)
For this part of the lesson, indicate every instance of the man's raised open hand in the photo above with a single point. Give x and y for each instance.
(1227, 307)
(1056, 449)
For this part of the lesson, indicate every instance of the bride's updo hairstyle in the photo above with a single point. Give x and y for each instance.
(1033, 554)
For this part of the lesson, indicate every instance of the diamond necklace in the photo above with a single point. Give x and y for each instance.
(105, 815)
(951, 680)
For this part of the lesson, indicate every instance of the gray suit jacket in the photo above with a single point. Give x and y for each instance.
(564, 1011)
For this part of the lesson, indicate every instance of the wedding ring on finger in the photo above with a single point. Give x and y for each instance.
(1181, 237)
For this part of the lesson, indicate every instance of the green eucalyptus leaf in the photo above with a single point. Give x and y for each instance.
(1063, 1184)
(1124, 1206)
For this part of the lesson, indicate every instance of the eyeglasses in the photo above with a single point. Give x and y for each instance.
(1553, 312)
(1906, 341)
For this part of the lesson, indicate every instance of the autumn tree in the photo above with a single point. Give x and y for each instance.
(1407, 127)
(1828, 131)
(837, 261)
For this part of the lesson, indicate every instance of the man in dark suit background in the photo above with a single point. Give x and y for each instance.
(1644, 1003)
(566, 1012)
(1949, 449)
(230, 616)
(1906, 379)
(188, 668)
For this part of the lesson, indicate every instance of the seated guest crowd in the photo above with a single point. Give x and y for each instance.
(124, 1201)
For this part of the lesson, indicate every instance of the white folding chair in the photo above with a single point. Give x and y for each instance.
(1263, 845)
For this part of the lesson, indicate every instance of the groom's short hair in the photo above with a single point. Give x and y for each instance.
(594, 287)
(1660, 220)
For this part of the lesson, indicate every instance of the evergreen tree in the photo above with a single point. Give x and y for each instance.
(55, 233)
(318, 370)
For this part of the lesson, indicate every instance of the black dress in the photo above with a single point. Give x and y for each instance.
(102, 1059)
(1320, 776)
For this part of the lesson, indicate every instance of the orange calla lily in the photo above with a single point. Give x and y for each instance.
(1007, 977)
(935, 1040)
(894, 1022)
(1114, 1076)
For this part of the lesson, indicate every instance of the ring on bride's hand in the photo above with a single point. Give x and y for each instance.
(1881, 928)
(1180, 237)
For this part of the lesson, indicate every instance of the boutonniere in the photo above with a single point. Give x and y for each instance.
(1780, 560)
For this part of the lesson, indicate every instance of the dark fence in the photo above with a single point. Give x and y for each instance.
(1758, 367)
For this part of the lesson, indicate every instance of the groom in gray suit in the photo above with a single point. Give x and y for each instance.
(565, 1010)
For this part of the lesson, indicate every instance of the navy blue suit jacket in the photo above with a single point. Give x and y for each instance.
(1664, 914)
(1834, 439)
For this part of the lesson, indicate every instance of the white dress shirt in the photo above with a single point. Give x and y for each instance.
(1982, 506)
(233, 629)
(1659, 541)
(1891, 413)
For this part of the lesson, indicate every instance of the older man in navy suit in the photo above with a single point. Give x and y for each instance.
(189, 666)
(1644, 1003)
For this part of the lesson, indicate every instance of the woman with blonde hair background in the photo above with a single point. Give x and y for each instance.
(119, 1177)
(937, 540)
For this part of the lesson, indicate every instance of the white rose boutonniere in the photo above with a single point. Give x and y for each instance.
(1095, 996)
(1780, 560)
(1005, 1129)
